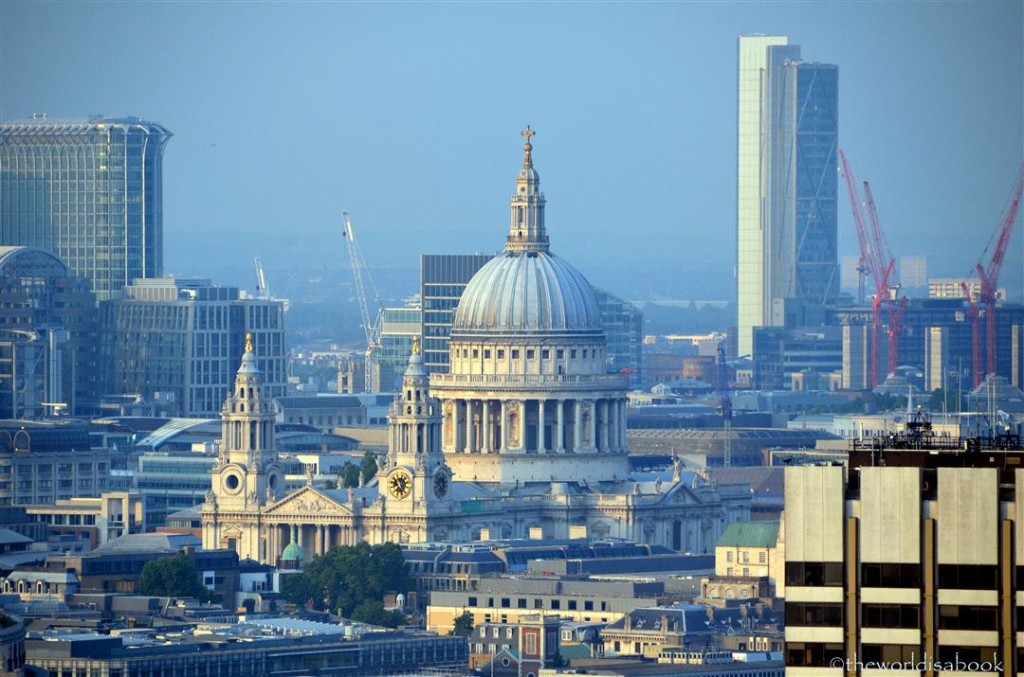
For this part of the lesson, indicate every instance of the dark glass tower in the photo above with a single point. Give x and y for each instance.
(802, 131)
(90, 191)
(443, 277)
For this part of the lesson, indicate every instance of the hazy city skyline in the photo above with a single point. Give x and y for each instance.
(408, 117)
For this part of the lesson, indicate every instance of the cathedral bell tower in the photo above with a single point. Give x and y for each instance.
(247, 475)
(415, 475)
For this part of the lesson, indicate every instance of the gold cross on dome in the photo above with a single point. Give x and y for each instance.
(528, 133)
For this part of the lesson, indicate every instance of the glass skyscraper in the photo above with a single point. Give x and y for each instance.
(443, 277)
(786, 183)
(90, 191)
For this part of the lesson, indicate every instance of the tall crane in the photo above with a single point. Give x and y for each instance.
(261, 280)
(871, 258)
(974, 315)
(372, 330)
(988, 276)
(896, 306)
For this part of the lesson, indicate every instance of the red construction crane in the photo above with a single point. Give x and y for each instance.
(989, 275)
(868, 259)
(895, 305)
(874, 255)
(973, 314)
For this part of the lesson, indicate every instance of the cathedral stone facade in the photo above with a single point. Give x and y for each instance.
(525, 437)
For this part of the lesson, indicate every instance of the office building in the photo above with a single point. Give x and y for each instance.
(89, 191)
(180, 341)
(399, 327)
(270, 647)
(953, 288)
(442, 279)
(914, 272)
(47, 337)
(624, 332)
(786, 183)
(849, 275)
(911, 552)
(41, 462)
(936, 338)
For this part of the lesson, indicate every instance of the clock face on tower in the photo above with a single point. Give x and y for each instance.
(440, 484)
(400, 484)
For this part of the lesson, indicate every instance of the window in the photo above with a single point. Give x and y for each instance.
(529, 353)
(953, 617)
(572, 605)
(968, 576)
(545, 353)
(559, 354)
(814, 573)
(505, 603)
(762, 557)
(515, 353)
(874, 575)
(588, 605)
(501, 353)
(728, 556)
(814, 614)
(471, 601)
(812, 654)
(487, 353)
(890, 616)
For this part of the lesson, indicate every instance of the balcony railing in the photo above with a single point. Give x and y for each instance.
(498, 380)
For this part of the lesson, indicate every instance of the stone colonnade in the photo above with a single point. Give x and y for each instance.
(535, 424)
(315, 538)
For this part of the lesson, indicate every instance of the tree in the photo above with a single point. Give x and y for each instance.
(368, 466)
(349, 477)
(348, 576)
(374, 613)
(174, 576)
(463, 626)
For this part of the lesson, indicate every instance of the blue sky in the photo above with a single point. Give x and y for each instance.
(408, 116)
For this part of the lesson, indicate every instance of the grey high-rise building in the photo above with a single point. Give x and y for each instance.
(178, 341)
(786, 183)
(90, 191)
(48, 340)
(443, 277)
(624, 330)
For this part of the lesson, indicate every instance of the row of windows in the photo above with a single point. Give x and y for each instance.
(538, 603)
(531, 353)
(744, 557)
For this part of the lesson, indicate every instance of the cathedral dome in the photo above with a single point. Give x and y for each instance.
(528, 291)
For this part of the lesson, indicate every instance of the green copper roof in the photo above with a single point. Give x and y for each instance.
(292, 552)
(750, 535)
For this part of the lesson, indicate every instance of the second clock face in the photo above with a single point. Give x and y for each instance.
(400, 484)
(440, 484)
